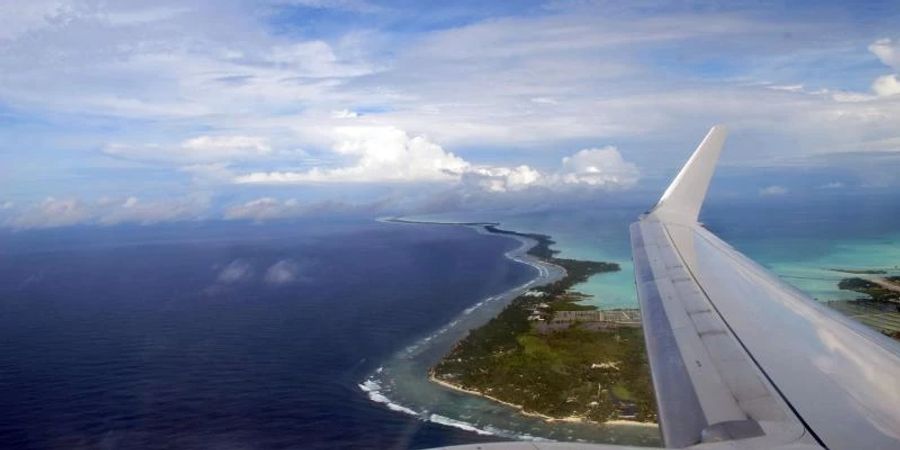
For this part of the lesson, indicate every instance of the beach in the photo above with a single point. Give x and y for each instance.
(403, 383)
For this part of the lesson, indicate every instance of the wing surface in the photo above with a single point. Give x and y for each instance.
(738, 355)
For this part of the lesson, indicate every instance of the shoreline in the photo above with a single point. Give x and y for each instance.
(519, 254)
(546, 418)
(415, 395)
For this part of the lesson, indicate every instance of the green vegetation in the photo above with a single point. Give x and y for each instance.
(595, 375)
(877, 292)
(862, 271)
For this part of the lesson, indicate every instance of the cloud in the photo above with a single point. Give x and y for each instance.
(886, 85)
(236, 271)
(133, 210)
(197, 149)
(58, 212)
(832, 185)
(50, 213)
(502, 179)
(262, 209)
(269, 208)
(344, 114)
(359, 6)
(773, 190)
(226, 145)
(600, 167)
(382, 154)
(230, 91)
(387, 154)
(282, 272)
(887, 51)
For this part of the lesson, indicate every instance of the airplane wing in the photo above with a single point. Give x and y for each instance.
(740, 359)
(737, 355)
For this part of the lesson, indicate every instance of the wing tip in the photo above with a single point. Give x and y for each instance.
(685, 195)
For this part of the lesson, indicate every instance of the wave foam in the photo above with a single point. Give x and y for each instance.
(373, 389)
(437, 418)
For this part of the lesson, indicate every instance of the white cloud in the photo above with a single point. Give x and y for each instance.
(773, 190)
(602, 167)
(235, 272)
(282, 272)
(229, 146)
(132, 70)
(133, 210)
(197, 149)
(787, 88)
(360, 6)
(503, 179)
(832, 185)
(265, 208)
(887, 51)
(52, 212)
(382, 154)
(387, 154)
(886, 85)
(344, 114)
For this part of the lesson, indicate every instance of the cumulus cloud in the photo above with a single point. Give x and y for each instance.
(388, 154)
(236, 271)
(177, 67)
(282, 272)
(382, 154)
(773, 190)
(887, 51)
(502, 179)
(886, 85)
(601, 167)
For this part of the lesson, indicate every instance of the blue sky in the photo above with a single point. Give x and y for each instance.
(154, 111)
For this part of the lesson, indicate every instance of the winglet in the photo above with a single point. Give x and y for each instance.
(684, 197)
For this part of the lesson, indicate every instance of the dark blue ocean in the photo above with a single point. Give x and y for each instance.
(224, 335)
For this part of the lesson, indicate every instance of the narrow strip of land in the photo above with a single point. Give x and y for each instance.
(552, 356)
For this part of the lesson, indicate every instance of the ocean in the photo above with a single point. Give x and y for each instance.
(317, 334)
(174, 337)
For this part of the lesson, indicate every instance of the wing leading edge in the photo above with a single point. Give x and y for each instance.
(740, 357)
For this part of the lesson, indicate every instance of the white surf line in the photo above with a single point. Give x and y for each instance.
(374, 389)
(518, 254)
(375, 393)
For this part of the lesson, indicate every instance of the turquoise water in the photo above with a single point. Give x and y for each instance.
(800, 240)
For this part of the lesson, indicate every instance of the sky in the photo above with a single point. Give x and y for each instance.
(144, 112)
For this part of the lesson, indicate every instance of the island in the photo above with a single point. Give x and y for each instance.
(551, 356)
(879, 307)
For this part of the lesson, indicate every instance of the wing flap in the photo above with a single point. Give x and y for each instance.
(702, 377)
